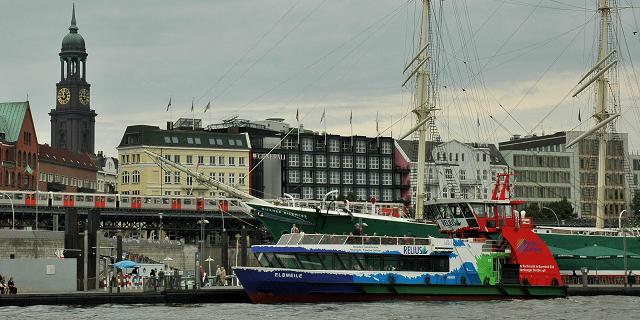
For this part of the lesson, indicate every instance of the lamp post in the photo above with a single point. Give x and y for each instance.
(160, 214)
(554, 214)
(201, 222)
(624, 246)
(13, 212)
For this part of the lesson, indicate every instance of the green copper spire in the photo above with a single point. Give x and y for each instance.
(73, 28)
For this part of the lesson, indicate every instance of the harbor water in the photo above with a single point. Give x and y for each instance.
(584, 308)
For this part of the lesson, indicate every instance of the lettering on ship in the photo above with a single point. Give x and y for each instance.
(414, 250)
(287, 275)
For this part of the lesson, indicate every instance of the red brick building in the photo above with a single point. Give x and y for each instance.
(18, 147)
(64, 170)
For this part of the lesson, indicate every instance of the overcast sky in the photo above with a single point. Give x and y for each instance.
(259, 59)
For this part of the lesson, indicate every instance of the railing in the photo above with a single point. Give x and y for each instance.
(354, 207)
(311, 239)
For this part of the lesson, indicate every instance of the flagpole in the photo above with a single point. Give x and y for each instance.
(351, 127)
(193, 116)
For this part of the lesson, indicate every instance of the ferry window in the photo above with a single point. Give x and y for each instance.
(284, 239)
(310, 261)
(331, 262)
(432, 212)
(444, 213)
(273, 262)
(349, 261)
(295, 238)
(466, 211)
(390, 262)
(262, 260)
(373, 262)
(372, 240)
(422, 241)
(455, 211)
(407, 241)
(508, 211)
(440, 263)
(288, 261)
(310, 239)
(433, 263)
(332, 239)
(479, 209)
(491, 211)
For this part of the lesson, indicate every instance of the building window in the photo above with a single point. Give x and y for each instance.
(321, 161)
(307, 177)
(241, 179)
(232, 161)
(294, 176)
(176, 158)
(484, 175)
(361, 178)
(373, 163)
(125, 177)
(375, 193)
(448, 173)
(221, 177)
(484, 157)
(361, 194)
(478, 174)
(386, 179)
(241, 161)
(212, 160)
(307, 193)
(321, 177)
(176, 177)
(135, 177)
(334, 177)
(221, 161)
(386, 147)
(334, 145)
(232, 178)
(361, 146)
(347, 162)
(444, 192)
(189, 159)
(320, 192)
(189, 180)
(347, 177)
(386, 163)
(374, 178)
(334, 161)
(200, 159)
(290, 144)
(307, 160)
(361, 162)
(167, 156)
(307, 144)
(463, 174)
(167, 177)
(387, 195)
(293, 160)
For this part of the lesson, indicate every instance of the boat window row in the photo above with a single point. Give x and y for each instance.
(307, 239)
(349, 261)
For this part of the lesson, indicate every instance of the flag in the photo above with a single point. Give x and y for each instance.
(207, 107)
(377, 125)
(351, 118)
(322, 117)
(297, 115)
(579, 117)
(191, 105)
(478, 120)
(28, 169)
(168, 105)
(325, 125)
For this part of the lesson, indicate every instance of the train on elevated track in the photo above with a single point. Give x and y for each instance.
(118, 201)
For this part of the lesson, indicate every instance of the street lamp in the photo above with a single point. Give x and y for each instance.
(13, 212)
(554, 214)
(208, 260)
(201, 222)
(624, 246)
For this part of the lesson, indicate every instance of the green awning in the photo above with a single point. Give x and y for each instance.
(600, 252)
(563, 253)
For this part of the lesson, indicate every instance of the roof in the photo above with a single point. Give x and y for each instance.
(410, 148)
(73, 41)
(66, 158)
(11, 119)
(139, 135)
(531, 142)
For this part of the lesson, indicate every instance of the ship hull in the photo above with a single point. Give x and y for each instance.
(267, 287)
(278, 220)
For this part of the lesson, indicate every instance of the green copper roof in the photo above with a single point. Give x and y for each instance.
(11, 118)
(154, 136)
(73, 41)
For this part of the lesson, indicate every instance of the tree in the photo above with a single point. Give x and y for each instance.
(563, 209)
(635, 203)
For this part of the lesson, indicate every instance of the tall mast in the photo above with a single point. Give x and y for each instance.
(421, 109)
(601, 114)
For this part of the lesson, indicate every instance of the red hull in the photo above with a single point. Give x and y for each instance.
(263, 298)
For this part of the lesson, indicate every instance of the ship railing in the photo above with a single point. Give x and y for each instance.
(328, 239)
(379, 208)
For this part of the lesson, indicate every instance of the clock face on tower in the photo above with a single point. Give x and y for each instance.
(64, 95)
(84, 96)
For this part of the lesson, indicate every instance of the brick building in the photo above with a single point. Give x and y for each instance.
(64, 170)
(18, 147)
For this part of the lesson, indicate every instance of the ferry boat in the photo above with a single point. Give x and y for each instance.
(501, 259)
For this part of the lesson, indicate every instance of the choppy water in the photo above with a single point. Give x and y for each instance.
(583, 308)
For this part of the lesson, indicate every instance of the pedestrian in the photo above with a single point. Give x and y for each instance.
(203, 274)
(12, 286)
(223, 276)
(294, 229)
(3, 286)
(218, 271)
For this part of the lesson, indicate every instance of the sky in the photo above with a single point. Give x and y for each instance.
(506, 64)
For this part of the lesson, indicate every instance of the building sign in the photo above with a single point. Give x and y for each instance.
(275, 156)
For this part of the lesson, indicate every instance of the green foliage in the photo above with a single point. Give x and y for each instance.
(635, 203)
(563, 209)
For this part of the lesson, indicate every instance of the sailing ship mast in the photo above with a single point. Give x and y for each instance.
(422, 110)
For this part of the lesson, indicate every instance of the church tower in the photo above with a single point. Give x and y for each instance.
(73, 121)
